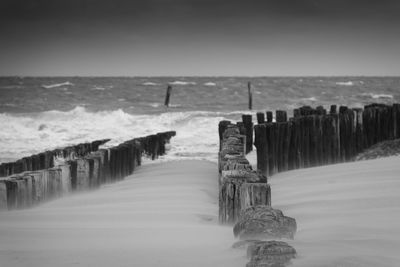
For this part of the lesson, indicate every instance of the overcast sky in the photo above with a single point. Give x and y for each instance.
(199, 37)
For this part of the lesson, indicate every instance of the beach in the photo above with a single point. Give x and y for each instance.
(165, 214)
(347, 214)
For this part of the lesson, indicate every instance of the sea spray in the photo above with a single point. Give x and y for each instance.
(30, 133)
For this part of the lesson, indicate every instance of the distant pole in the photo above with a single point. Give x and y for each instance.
(169, 88)
(250, 96)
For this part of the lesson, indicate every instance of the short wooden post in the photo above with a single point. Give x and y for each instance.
(167, 95)
(333, 109)
(269, 116)
(281, 116)
(260, 117)
(250, 95)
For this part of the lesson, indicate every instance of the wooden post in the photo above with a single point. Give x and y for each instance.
(260, 117)
(286, 145)
(269, 116)
(3, 195)
(280, 116)
(333, 109)
(296, 113)
(396, 121)
(260, 141)
(248, 124)
(221, 129)
(250, 95)
(167, 95)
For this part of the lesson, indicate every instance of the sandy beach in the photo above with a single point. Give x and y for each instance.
(166, 215)
(347, 214)
(163, 215)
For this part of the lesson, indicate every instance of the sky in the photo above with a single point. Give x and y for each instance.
(199, 37)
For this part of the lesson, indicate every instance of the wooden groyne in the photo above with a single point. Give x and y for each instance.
(46, 159)
(245, 200)
(316, 137)
(239, 185)
(81, 170)
(312, 137)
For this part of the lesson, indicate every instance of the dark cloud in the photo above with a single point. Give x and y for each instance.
(72, 36)
(96, 8)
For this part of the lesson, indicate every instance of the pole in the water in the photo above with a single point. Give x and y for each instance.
(250, 96)
(169, 88)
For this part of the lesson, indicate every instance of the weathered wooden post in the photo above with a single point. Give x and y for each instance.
(3, 195)
(248, 124)
(296, 113)
(396, 120)
(269, 116)
(260, 141)
(260, 117)
(167, 95)
(250, 95)
(333, 109)
(221, 129)
(280, 116)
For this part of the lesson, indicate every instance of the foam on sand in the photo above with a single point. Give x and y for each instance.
(347, 214)
(163, 215)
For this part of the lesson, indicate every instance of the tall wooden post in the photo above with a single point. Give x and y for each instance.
(248, 125)
(269, 116)
(167, 95)
(262, 148)
(250, 95)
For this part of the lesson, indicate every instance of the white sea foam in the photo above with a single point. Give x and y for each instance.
(378, 96)
(57, 85)
(197, 135)
(150, 84)
(99, 88)
(313, 98)
(155, 105)
(349, 83)
(182, 83)
(210, 84)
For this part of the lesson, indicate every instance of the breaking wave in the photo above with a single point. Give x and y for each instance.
(26, 134)
(182, 83)
(349, 83)
(57, 85)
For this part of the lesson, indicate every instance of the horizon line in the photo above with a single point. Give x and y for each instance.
(195, 76)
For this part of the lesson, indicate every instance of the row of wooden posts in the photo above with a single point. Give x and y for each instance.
(315, 137)
(82, 171)
(45, 160)
(240, 186)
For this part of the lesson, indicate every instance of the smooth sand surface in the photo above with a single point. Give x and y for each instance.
(347, 214)
(163, 215)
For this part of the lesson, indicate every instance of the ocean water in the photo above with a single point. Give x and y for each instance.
(39, 113)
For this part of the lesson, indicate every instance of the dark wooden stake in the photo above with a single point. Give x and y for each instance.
(250, 96)
(260, 117)
(169, 88)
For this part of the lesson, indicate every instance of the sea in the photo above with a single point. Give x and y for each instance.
(42, 113)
